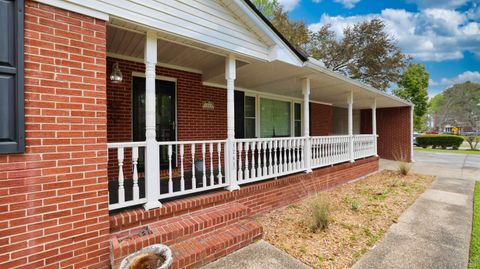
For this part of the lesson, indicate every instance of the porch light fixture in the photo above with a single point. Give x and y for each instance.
(116, 75)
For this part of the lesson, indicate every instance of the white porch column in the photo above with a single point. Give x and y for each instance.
(306, 124)
(374, 126)
(152, 162)
(231, 156)
(350, 123)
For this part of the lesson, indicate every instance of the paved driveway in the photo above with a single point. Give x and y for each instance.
(454, 165)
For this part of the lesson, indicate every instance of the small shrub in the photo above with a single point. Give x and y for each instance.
(472, 141)
(439, 140)
(355, 205)
(402, 160)
(320, 216)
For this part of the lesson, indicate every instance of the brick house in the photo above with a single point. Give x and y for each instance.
(129, 123)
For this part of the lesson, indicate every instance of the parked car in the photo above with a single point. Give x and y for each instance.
(415, 134)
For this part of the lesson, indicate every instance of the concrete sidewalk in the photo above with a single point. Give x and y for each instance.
(259, 255)
(433, 233)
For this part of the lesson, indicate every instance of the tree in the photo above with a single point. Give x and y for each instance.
(295, 31)
(365, 53)
(434, 111)
(413, 87)
(267, 7)
(462, 102)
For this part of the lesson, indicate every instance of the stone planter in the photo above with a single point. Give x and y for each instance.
(147, 256)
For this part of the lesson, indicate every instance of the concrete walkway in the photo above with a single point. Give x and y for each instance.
(259, 255)
(454, 165)
(433, 233)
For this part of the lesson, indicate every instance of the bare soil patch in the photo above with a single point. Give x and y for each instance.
(359, 214)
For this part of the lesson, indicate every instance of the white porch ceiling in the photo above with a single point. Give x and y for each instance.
(276, 77)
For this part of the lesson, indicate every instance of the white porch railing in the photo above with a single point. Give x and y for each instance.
(132, 150)
(259, 159)
(196, 166)
(363, 146)
(328, 150)
(199, 167)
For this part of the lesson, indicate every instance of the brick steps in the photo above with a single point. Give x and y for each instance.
(196, 238)
(203, 221)
(201, 250)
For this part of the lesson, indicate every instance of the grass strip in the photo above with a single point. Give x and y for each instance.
(474, 262)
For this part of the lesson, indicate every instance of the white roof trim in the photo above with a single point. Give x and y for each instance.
(76, 8)
(277, 52)
(319, 66)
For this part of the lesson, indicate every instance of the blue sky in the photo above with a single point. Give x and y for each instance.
(442, 34)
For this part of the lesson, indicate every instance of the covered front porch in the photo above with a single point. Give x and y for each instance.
(189, 118)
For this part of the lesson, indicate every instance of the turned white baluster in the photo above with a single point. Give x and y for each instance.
(212, 179)
(121, 189)
(247, 169)
(194, 179)
(204, 173)
(219, 163)
(136, 191)
(270, 164)
(259, 159)
(240, 172)
(275, 166)
(254, 168)
(182, 175)
(170, 181)
(264, 146)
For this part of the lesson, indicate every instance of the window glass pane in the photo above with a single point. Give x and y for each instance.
(274, 118)
(298, 128)
(249, 106)
(250, 128)
(298, 112)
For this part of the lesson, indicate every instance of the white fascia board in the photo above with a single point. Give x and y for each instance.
(76, 8)
(319, 66)
(280, 51)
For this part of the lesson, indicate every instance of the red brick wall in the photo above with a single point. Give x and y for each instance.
(393, 128)
(320, 119)
(193, 122)
(53, 197)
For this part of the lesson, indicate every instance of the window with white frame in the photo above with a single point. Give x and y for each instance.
(250, 117)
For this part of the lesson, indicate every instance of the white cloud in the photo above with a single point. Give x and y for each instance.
(347, 3)
(472, 76)
(439, 3)
(433, 34)
(288, 5)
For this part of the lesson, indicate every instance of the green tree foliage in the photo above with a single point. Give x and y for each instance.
(365, 53)
(295, 31)
(413, 87)
(267, 7)
(461, 104)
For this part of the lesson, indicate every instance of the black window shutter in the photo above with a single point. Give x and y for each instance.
(12, 130)
(239, 98)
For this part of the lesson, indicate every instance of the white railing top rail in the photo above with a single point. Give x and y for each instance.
(263, 139)
(166, 143)
(332, 136)
(126, 144)
(364, 135)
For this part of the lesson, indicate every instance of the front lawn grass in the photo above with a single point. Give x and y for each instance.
(462, 151)
(359, 213)
(474, 262)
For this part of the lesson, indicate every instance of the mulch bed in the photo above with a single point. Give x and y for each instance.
(359, 215)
